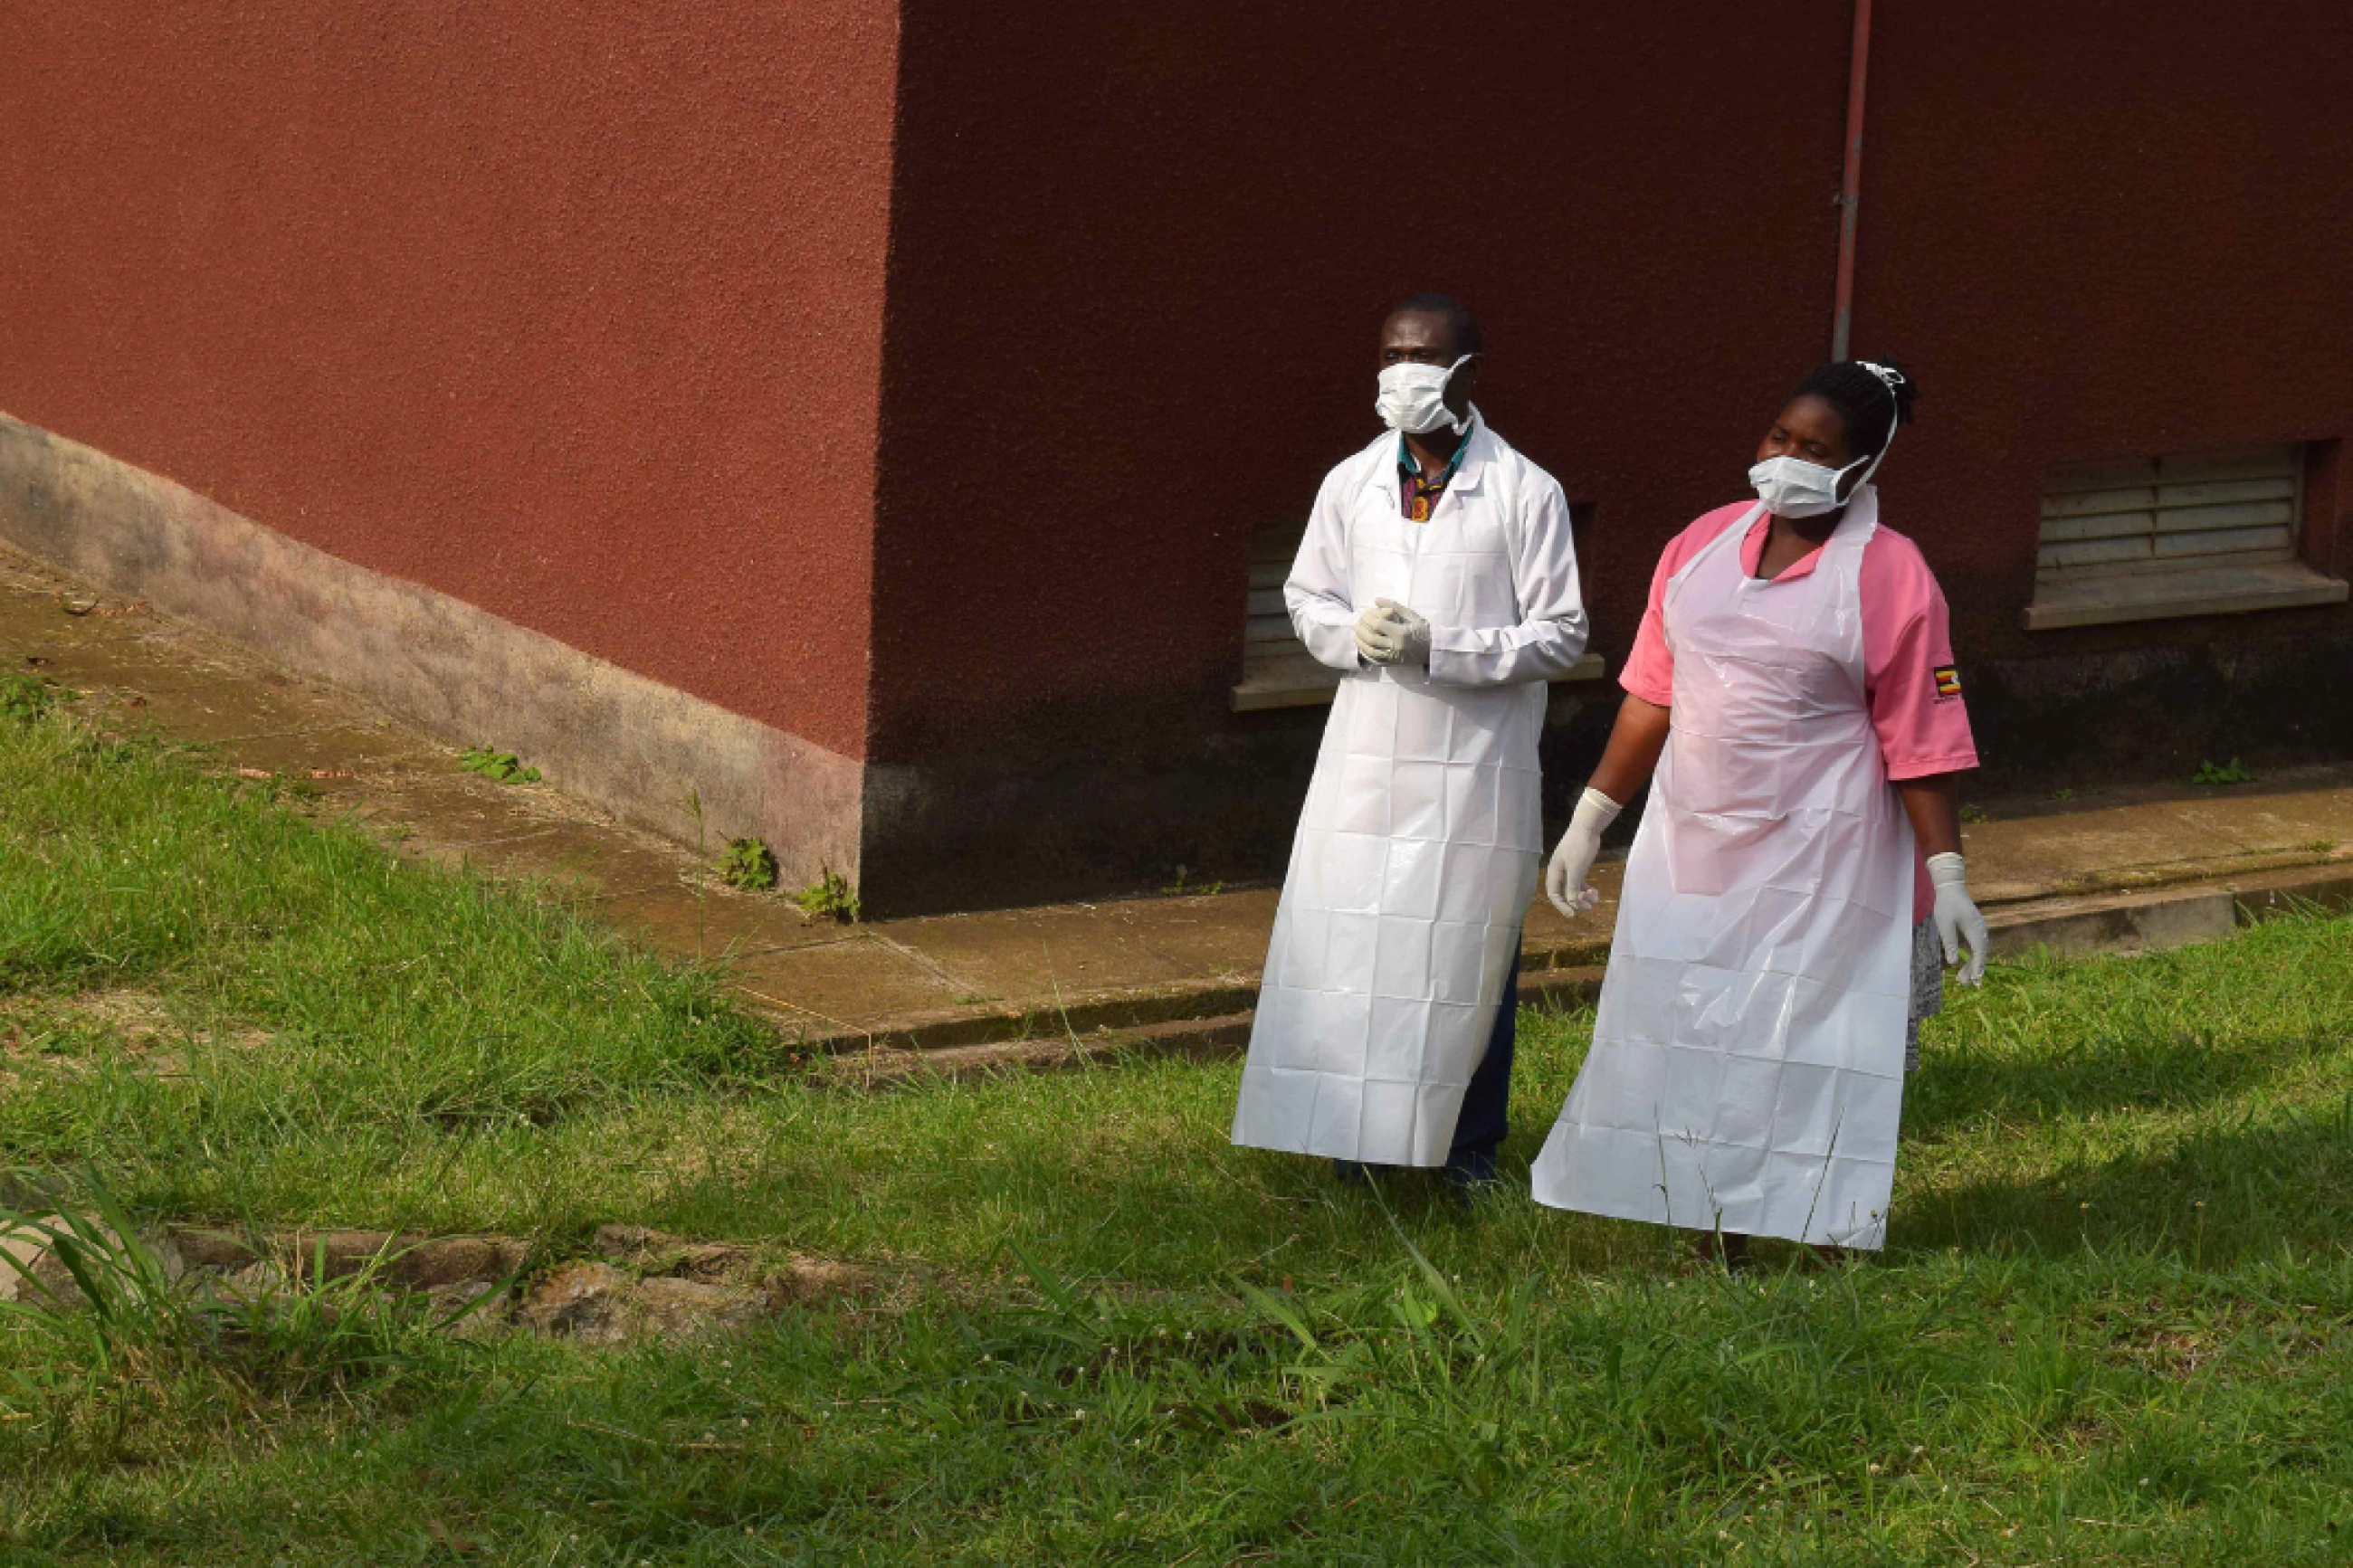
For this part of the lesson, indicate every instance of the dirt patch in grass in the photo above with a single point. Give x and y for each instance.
(133, 1015)
(75, 1033)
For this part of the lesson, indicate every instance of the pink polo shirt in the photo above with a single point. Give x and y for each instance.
(1909, 678)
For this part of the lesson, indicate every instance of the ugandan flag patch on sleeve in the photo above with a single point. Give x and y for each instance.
(1948, 680)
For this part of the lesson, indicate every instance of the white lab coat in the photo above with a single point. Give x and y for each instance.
(1417, 849)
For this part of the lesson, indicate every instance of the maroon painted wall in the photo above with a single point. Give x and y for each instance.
(2096, 230)
(571, 310)
(1141, 258)
(2108, 229)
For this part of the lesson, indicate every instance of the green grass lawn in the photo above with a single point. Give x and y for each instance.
(2113, 1324)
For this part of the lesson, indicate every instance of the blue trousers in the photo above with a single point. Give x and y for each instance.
(1486, 1103)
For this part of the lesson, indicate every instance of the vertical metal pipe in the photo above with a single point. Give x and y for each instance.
(1851, 188)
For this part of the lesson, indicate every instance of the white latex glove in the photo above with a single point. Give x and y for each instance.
(1372, 630)
(1391, 634)
(1956, 916)
(1573, 856)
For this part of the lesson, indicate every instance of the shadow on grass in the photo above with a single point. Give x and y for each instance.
(2273, 1177)
(1958, 1087)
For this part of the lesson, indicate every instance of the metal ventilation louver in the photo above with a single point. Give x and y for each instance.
(2151, 537)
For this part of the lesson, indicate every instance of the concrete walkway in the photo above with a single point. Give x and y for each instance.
(2087, 865)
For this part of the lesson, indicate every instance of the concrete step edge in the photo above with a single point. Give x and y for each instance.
(2162, 917)
(1173, 1016)
(1200, 1039)
(999, 1025)
(2175, 874)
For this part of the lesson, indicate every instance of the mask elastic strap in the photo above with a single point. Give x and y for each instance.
(1464, 422)
(1888, 379)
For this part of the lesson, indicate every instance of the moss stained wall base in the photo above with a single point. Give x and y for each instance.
(605, 734)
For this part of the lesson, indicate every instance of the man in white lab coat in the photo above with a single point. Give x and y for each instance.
(1438, 571)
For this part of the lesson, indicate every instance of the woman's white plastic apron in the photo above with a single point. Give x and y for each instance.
(1416, 856)
(1747, 1063)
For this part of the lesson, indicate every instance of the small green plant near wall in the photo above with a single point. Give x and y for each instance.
(26, 698)
(748, 863)
(504, 766)
(1972, 814)
(1184, 887)
(831, 896)
(2208, 774)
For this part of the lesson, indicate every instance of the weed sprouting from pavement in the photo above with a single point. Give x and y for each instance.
(748, 864)
(504, 767)
(831, 896)
(2230, 772)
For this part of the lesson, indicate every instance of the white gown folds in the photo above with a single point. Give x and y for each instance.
(1417, 849)
(1747, 1063)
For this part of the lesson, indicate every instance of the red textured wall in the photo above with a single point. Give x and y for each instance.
(571, 310)
(2098, 229)
(1141, 259)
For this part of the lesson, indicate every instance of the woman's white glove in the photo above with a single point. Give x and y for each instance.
(1573, 856)
(1956, 916)
(1388, 632)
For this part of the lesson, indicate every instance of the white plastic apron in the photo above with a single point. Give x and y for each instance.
(1747, 1062)
(1416, 856)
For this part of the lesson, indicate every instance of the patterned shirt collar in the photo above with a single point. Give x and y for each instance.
(1417, 497)
(1411, 466)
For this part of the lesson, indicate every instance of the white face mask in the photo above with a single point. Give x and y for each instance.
(1791, 487)
(1413, 398)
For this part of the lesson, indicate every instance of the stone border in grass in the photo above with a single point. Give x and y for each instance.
(641, 1283)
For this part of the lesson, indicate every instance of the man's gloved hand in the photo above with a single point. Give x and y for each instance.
(1388, 632)
(1374, 637)
(1573, 856)
(1956, 916)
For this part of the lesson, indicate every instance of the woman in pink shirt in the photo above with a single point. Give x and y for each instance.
(1798, 872)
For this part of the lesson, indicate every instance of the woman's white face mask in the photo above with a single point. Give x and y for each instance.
(1413, 397)
(1793, 488)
